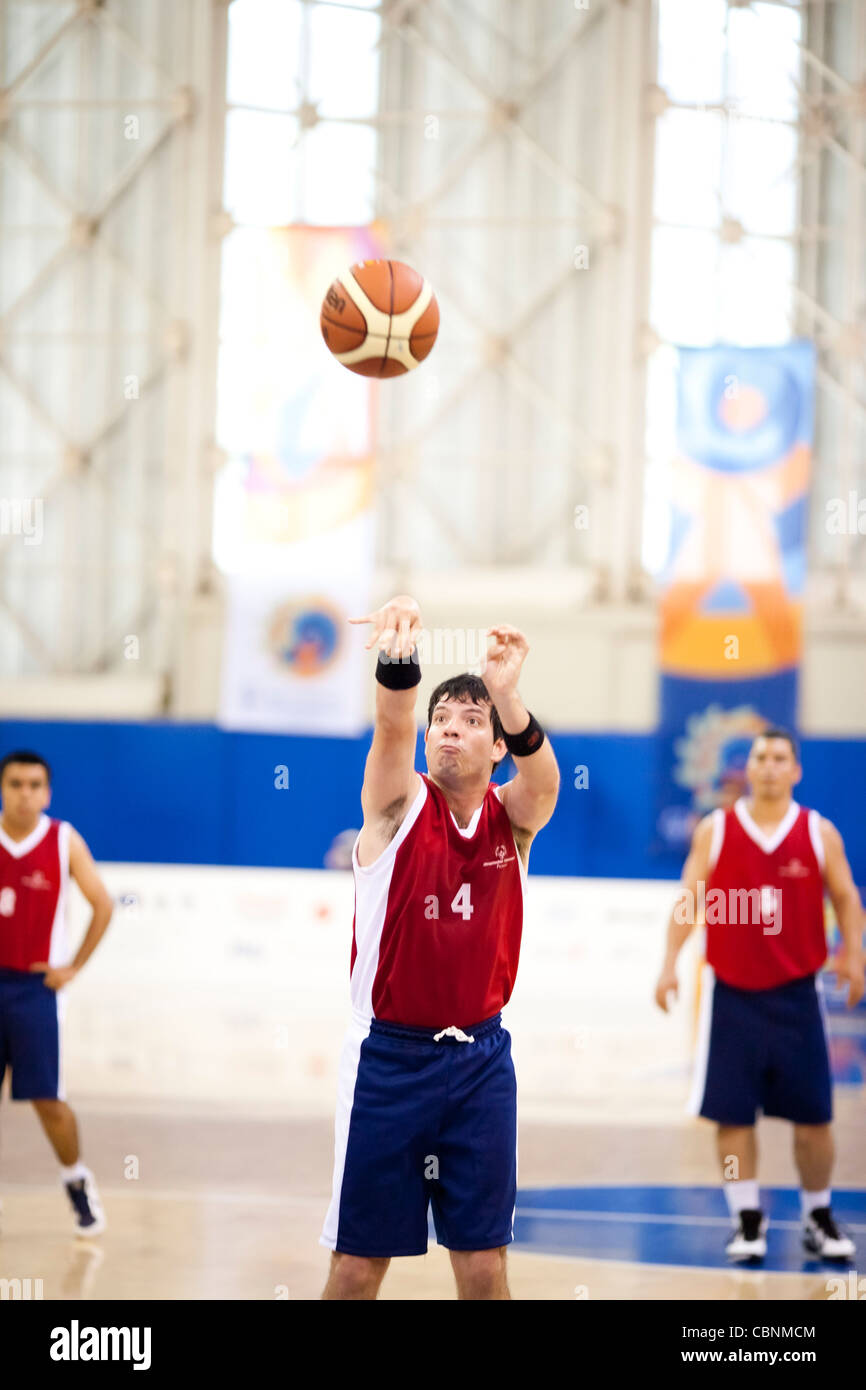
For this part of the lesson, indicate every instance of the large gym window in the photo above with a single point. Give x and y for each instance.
(301, 149)
(725, 216)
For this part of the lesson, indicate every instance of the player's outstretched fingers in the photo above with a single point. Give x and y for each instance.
(504, 632)
(390, 617)
(395, 627)
(373, 618)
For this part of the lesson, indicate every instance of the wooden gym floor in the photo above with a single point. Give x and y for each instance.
(229, 1206)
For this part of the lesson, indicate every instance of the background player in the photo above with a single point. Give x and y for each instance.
(762, 1044)
(37, 856)
(427, 1098)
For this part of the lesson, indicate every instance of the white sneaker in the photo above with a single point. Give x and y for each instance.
(89, 1216)
(822, 1237)
(748, 1239)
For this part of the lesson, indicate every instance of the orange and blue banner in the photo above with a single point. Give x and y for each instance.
(732, 589)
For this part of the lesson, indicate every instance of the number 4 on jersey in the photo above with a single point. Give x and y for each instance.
(461, 903)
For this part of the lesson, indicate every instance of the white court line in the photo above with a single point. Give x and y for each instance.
(662, 1187)
(738, 1271)
(650, 1218)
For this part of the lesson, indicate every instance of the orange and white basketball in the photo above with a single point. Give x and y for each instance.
(380, 318)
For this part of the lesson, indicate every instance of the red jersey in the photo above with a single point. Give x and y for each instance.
(438, 917)
(34, 875)
(784, 939)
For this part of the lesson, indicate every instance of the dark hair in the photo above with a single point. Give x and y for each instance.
(467, 688)
(775, 731)
(24, 755)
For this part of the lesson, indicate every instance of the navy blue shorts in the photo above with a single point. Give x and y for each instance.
(419, 1124)
(762, 1051)
(30, 1015)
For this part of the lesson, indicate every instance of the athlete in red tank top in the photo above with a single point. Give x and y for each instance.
(440, 871)
(755, 877)
(777, 934)
(443, 943)
(38, 856)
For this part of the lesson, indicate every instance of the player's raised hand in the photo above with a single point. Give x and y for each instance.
(396, 627)
(667, 985)
(505, 656)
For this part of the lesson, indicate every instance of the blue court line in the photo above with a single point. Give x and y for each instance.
(685, 1226)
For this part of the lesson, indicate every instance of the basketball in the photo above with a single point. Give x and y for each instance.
(380, 318)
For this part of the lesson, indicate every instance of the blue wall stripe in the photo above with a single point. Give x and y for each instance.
(163, 792)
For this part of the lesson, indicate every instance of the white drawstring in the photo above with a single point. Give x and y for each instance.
(453, 1032)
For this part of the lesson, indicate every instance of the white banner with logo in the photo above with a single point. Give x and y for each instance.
(292, 663)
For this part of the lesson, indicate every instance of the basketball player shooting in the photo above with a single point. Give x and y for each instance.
(426, 1111)
(37, 857)
(762, 1045)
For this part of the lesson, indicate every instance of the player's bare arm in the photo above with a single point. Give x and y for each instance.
(84, 871)
(695, 871)
(390, 779)
(843, 892)
(530, 797)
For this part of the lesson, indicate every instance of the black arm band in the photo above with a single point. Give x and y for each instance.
(521, 745)
(397, 674)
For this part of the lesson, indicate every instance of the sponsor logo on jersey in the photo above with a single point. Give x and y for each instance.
(794, 869)
(500, 859)
(36, 880)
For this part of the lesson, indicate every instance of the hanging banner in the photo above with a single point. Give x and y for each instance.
(731, 602)
(292, 661)
(293, 516)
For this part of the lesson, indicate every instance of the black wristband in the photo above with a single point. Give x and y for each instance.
(395, 673)
(521, 745)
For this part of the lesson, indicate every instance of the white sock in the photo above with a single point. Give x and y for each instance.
(73, 1172)
(742, 1195)
(810, 1200)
